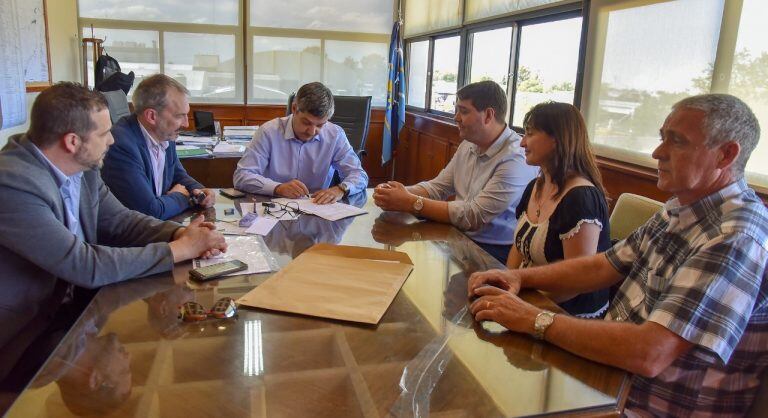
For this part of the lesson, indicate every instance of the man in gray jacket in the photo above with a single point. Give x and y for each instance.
(61, 226)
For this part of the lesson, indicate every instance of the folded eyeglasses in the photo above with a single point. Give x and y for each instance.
(278, 210)
(192, 311)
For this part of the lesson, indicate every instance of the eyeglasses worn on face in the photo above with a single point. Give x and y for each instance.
(192, 311)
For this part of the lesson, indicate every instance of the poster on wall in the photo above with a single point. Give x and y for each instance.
(13, 107)
(34, 51)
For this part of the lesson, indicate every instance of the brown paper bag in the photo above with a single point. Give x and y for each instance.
(335, 281)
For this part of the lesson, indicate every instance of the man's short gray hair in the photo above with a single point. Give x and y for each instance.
(316, 99)
(727, 118)
(152, 93)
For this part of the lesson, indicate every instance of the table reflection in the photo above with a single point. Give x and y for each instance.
(130, 356)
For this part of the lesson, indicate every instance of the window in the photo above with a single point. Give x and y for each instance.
(198, 44)
(536, 51)
(342, 43)
(445, 74)
(418, 57)
(208, 12)
(353, 16)
(489, 60)
(205, 63)
(632, 95)
(748, 77)
(282, 65)
(357, 69)
(632, 82)
(136, 50)
(546, 70)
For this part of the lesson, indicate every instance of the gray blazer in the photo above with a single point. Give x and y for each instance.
(38, 253)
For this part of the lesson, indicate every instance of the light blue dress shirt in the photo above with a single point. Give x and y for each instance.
(157, 155)
(276, 156)
(69, 188)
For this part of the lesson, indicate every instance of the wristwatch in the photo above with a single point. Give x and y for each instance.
(543, 320)
(418, 205)
(344, 188)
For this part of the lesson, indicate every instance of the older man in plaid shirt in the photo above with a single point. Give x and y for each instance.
(690, 319)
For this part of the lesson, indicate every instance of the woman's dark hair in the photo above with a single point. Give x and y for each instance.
(573, 156)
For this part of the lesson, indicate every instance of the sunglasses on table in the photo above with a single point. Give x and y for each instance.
(192, 311)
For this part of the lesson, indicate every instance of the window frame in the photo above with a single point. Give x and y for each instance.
(322, 36)
(722, 71)
(243, 33)
(516, 22)
(172, 27)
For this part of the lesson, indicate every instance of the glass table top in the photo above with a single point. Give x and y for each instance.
(130, 356)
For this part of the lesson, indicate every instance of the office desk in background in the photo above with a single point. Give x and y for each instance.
(426, 354)
(213, 172)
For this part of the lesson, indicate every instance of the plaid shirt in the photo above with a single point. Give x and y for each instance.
(699, 271)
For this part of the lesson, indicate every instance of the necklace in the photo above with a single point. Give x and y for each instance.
(538, 206)
(538, 203)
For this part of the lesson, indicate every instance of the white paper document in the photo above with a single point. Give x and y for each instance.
(249, 128)
(250, 250)
(198, 140)
(224, 148)
(247, 207)
(332, 211)
(229, 228)
(261, 226)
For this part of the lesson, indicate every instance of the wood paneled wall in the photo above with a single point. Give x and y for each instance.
(239, 115)
(426, 145)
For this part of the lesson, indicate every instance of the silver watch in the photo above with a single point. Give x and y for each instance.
(344, 188)
(543, 320)
(418, 205)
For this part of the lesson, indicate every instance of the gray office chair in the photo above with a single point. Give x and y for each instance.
(117, 103)
(353, 114)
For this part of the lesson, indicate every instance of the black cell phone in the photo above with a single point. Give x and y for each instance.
(203, 274)
(232, 193)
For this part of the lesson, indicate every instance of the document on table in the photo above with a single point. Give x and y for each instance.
(261, 226)
(250, 250)
(332, 211)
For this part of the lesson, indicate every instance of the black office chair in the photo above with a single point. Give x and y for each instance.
(353, 114)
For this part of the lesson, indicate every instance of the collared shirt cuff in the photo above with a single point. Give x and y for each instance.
(173, 232)
(269, 187)
(456, 212)
(613, 258)
(351, 188)
(426, 186)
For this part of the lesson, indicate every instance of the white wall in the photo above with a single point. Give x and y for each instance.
(64, 47)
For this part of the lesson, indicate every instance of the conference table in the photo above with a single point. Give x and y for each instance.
(130, 356)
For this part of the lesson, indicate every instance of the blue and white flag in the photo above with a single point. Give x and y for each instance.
(394, 118)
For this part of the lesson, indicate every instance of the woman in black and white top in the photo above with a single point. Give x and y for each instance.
(562, 213)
